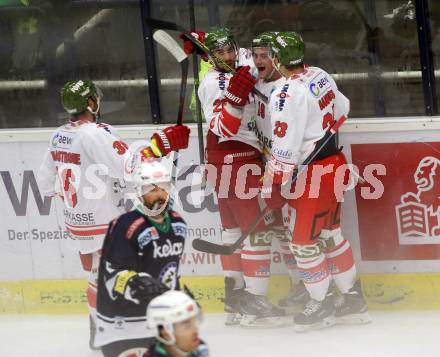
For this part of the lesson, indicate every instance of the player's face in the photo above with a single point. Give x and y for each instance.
(187, 334)
(263, 62)
(156, 198)
(227, 54)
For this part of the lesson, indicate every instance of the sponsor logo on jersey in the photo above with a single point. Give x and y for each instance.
(283, 96)
(179, 229)
(221, 81)
(168, 275)
(316, 87)
(312, 277)
(62, 141)
(147, 236)
(167, 250)
(263, 271)
(264, 141)
(282, 153)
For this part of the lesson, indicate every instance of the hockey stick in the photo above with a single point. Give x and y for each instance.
(201, 46)
(192, 21)
(173, 47)
(210, 247)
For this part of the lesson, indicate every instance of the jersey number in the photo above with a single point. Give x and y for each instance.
(120, 147)
(280, 129)
(327, 120)
(70, 195)
(218, 105)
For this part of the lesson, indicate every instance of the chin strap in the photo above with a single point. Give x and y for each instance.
(271, 74)
(96, 112)
(172, 344)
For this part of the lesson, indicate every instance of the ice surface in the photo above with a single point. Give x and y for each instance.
(398, 334)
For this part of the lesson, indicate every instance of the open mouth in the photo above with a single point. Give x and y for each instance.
(261, 69)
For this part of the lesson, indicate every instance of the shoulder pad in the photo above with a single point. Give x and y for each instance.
(133, 226)
(175, 214)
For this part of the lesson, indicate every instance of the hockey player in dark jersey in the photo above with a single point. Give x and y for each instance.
(140, 260)
(174, 317)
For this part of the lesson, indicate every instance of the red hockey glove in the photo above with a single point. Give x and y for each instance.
(240, 85)
(189, 47)
(171, 138)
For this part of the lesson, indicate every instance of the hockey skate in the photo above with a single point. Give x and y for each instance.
(231, 301)
(316, 315)
(295, 300)
(351, 307)
(257, 312)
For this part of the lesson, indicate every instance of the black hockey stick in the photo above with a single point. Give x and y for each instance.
(211, 247)
(173, 47)
(166, 25)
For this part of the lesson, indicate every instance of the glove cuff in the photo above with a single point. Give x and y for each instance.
(122, 280)
(233, 99)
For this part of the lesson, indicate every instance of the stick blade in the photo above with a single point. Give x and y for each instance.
(208, 247)
(163, 38)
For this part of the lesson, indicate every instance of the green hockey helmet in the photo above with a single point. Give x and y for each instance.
(217, 38)
(264, 39)
(75, 95)
(288, 48)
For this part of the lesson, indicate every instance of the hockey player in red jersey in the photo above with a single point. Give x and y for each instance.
(85, 161)
(231, 145)
(268, 80)
(301, 109)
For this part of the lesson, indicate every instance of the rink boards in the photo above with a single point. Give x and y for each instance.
(395, 239)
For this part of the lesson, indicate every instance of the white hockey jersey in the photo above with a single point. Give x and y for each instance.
(301, 109)
(211, 95)
(262, 125)
(85, 164)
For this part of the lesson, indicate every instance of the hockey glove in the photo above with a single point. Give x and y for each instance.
(171, 138)
(271, 193)
(240, 85)
(138, 287)
(189, 47)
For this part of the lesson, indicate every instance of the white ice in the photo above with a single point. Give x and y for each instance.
(392, 334)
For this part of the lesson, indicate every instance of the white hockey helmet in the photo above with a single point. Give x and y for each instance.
(146, 176)
(169, 308)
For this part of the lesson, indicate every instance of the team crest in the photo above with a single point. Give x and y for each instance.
(168, 275)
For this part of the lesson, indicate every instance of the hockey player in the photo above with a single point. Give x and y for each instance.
(140, 259)
(174, 317)
(268, 80)
(231, 145)
(301, 109)
(86, 161)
